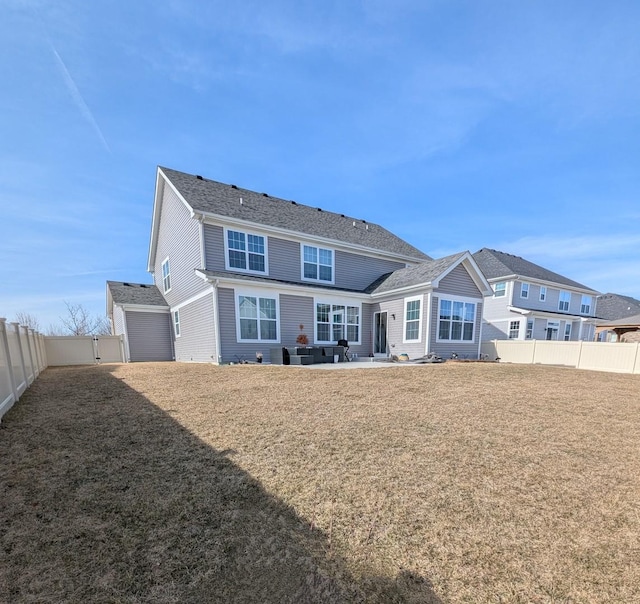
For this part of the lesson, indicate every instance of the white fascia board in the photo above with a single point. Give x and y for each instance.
(520, 311)
(425, 287)
(548, 314)
(283, 287)
(219, 220)
(551, 284)
(143, 308)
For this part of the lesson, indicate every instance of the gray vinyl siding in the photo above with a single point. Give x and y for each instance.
(197, 341)
(366, 337)
(465, 350)
(355, 271)
(179, 240)
(149, 335)
(459, 283)
(352, 271)
(395, 328)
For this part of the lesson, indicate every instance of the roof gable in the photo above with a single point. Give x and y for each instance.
(495, 264)
(214, 198)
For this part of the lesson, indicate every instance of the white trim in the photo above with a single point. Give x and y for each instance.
(191, 300)
(465, 300)
(216, 321)
(166, 289)
(523, 289)
(203, 261)
(549, 284)
(560, 301)
(176, 323)
(143, 308)
(247, 270)
(302, 262)
(336, 301)
(504, 295)
(257, 293)
(429, 309)
(540, 298)
(405, 301)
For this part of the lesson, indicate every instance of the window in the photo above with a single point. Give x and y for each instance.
(543, 293)
(412, 317)
(257, 318)
(514, 330)
(246, 252)
(337, 322)
(317, 264)
(499, 289)
(567, 331)
(166, 276)
(585, 305)
(456, 320)
(524, 290)
(565, 298)
(529, 333)
(552, 330)
(176, 323)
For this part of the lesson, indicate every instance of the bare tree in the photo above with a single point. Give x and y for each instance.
(79, 322)
(26, 318)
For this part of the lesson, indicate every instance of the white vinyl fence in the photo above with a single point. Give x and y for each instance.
(22, 358)
(617, 357)
(84, 350)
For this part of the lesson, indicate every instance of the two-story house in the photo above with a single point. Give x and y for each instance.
(239, 272)
(532, 302)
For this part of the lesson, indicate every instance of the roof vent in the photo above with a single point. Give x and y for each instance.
(127, 284)
(294, 203)
(354, 223)
(319, 209)
(199, 177)
(364, 222)
(343, 215)
(366, 226)
(234, 187)
(143, 285)
(241, 202)
(264, 195)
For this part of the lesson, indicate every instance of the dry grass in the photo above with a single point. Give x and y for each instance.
(441, 483)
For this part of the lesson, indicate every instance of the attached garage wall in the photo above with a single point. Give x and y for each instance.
(149, 335)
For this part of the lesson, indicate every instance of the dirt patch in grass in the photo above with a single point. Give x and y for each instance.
(443, 483)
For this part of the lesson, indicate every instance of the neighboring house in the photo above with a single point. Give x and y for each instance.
(620, 330)
(532, 302)
(240, 272)
(140, 313)
(612, 311)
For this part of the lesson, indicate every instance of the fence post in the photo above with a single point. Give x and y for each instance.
(7, 354)
(579, 355)
(22, 363)
(33, 372)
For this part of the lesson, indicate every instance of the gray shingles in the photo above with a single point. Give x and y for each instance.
(424, 272)
(135, 293)
(209, 196)
(496, 264)
(615, 306)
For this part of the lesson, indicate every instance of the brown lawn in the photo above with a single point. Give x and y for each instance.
(461, 482)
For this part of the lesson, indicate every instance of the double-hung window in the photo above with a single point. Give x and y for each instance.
(257, 317)
(567, 331)
(456, 320)
(585, 305)
(543, 293)
(246, 252)
(336, 321)
(524, 290)
(166, 276)
(514, 330)
(317, 264)
(176, 323)
(529, 333)
(412, 319)
(565, 299)
(500, 289)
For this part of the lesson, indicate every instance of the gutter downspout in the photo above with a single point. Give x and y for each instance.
(427, 345)
(216, 321)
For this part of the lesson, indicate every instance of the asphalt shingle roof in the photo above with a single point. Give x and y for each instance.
(135, 293)
(632, 320)
(424, 272)
(209, 196)
(614, 306)
(496, 264)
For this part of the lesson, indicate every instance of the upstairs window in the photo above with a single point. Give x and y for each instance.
(246, 252)
(524, 290)
(412, 317)
(543, 293)
(585, 305)
(514, 330)
(565, 299)
(456, 320)
(500, 289)
(317, 264)
(166, 276)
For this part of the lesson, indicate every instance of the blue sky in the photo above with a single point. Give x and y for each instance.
(455, 124)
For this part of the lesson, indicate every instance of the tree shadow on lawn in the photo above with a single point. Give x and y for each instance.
(108, 498)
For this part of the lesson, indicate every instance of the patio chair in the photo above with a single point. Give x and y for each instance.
(345, 345)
